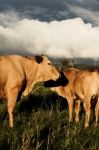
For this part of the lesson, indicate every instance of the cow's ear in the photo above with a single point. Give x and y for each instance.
(39, 59)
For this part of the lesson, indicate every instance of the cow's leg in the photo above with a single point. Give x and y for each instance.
(77, 110)
(70, 105)
(12, 97)
(87, 111)
(96, 112)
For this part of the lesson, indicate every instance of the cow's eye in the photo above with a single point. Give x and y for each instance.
(49, 63)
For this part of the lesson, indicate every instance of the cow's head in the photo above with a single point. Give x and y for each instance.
(46, 69)
(62, 81)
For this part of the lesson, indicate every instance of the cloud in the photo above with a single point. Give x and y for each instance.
(87, 14)
(67, 38)
(9, 17)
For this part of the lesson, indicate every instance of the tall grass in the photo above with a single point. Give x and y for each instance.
(41, 123)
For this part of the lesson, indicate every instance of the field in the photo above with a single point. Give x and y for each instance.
(41, 123)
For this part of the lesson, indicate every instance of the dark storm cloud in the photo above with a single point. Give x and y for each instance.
(38, 9)
(87, 4)
(48, 10)
(20, 4)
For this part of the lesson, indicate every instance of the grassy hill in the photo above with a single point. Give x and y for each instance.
(41, 123)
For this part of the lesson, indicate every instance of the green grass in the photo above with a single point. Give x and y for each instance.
(41, 123)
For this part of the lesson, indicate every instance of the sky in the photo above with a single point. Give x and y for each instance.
(57, 28)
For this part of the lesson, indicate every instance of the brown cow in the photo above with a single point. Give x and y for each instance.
(84, 86)
(19, 74)
(61, 90)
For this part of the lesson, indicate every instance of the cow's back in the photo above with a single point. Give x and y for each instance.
(87, 82)
(11, 70)
(12, 64)
(71, 73)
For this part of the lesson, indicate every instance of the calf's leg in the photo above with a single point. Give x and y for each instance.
(87, 111)
(96, 113)
(77, 110)
(70, 105)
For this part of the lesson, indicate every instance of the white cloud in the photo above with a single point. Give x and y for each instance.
(8, 18)
(68, 38)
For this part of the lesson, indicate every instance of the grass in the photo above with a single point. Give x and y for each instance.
(41, 123)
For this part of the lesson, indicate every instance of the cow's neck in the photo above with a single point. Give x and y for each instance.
(32, 76)
(31, 71)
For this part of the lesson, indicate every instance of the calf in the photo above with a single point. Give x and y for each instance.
(61, 90)
(84, 86)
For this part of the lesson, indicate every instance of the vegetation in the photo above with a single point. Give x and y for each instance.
(41, 123)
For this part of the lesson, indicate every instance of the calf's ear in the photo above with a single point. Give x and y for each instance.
(38, 59)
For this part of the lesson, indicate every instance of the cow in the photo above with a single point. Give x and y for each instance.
(84, 87)
(70, 74)
(18, 74)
